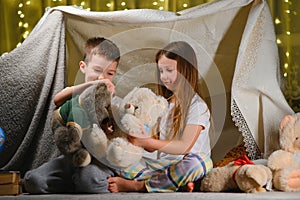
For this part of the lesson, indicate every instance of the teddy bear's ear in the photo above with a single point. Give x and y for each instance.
(288, 133)
(286, 119)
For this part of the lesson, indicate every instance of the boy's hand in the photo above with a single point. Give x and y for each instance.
(109, 84)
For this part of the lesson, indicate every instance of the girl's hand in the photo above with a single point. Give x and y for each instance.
(142, 134)
(142, 142)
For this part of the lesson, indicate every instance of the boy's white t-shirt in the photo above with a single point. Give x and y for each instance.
(198, 115)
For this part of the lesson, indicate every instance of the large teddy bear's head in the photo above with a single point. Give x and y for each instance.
(141, 107)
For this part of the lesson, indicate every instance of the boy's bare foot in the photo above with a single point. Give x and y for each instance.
(119, 184)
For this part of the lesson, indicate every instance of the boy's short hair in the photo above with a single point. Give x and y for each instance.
(101, 46)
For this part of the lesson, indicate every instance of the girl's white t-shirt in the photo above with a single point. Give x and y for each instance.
(198, 115)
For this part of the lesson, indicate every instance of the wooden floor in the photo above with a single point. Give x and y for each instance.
(161, 196)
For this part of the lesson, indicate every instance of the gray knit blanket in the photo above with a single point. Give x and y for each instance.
(30, 76)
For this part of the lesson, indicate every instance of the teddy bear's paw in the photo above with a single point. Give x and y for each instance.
(288, 180)
(122, 153)
(256, 190)
(95, 141)
(280, 159)
(133, 125)
(81, 158)
(294, 180)
(67, 143)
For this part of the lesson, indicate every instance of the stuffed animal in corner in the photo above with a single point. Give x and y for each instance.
(239, 175)
(285, 162)
(90, 124)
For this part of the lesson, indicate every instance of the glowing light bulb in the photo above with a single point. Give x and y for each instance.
(161, 8)
(22, 16)
(20, 24)
(20, 5)
(277, 21)
(108, 5)
(185, 5)
(155, 3)
(25, 25)
(287, 54)
(288, 33)
(82, 3)
(123, 3)
(28, 3)
(285, 74)
(286, 65)
(278, 41)
(25, 35)
(19, 12)
(287, 11)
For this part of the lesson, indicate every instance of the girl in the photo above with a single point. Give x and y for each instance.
(183, 146)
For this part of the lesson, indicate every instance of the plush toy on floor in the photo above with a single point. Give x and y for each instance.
(285, 163)
(240, 175)
(89, 124)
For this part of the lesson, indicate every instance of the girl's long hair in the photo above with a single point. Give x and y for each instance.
(187, 86)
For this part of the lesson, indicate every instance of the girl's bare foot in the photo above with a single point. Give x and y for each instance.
(119, 184)
(189, 187)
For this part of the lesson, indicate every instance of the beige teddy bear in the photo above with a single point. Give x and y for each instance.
(239, 175)
(285, 163)
(102, 125)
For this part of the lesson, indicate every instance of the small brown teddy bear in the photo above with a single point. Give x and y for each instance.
(285, 163)
(91, 124)
(239, 175)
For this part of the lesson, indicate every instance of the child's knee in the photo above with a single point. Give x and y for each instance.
(91, 179)
(200, 162)
(34, 183)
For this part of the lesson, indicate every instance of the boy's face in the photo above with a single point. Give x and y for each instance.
(98, 68)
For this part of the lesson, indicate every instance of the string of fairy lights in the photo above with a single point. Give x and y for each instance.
(100, 5)
(23, 25)
(285, 14)
(286, 34)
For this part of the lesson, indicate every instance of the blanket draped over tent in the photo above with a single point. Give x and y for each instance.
(237, 57)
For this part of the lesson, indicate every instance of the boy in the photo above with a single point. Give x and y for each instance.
(101, 58)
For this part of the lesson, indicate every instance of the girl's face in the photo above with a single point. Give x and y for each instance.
(98, 68)
(168, 72)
